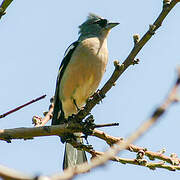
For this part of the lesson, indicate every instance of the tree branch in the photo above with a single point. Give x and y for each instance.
(71, 172)
(11, 174)
(22, 106)
(29, 133)
(4, 6)
(145, 163)
(132, 148)
(140, 162)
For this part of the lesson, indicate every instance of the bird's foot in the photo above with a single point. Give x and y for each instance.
(88, 126)
(77, 108)
(72, 118)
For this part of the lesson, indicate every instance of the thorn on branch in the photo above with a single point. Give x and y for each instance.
(178, 79)
(118, 67)
(152, 29)
(31, 138)
(142, 162)
(116, 64)
(136, 38)
(174, 159)
(158, 112)
(140, 154)
(166, 3)
(52, 99)
(7, 138)
(152, 166)
(140, 157)
(36, 120)
(95, 154)
(162, 151)
(135, 61)
(152, 158)
(2, 12)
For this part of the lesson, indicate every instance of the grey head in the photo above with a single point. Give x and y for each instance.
(95, 25)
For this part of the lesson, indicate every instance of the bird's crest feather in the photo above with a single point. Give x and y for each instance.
(91, 18)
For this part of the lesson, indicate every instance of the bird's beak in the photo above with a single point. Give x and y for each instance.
(111, 25)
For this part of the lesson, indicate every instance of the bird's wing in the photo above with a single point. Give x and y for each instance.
(58, 111)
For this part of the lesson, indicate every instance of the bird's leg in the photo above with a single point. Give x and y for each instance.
(72, 117)
(74, 101)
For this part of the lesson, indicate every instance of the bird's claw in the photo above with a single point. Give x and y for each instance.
(88, 126)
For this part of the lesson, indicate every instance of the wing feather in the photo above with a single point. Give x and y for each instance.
(58, 114)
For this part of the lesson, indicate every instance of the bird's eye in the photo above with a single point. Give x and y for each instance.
(102, 22)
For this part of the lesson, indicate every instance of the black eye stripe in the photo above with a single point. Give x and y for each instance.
(102, 22)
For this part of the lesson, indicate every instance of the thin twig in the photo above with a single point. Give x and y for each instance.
(145, 163)
(139, 162)
(106, 125)
(22, 106)
(133, 148)
(39, 121)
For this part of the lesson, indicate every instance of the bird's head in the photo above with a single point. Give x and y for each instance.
(96, 25)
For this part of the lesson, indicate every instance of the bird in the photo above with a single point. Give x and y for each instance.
(79, 76)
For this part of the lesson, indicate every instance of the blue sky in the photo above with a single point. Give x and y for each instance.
(34, 36)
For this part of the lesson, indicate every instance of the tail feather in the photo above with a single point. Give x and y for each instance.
(72, 156)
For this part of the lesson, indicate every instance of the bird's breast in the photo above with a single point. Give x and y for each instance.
(83, 74)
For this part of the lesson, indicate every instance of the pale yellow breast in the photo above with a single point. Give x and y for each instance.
(83, 74)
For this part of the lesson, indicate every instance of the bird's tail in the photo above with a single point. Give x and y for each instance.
(72, 156)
